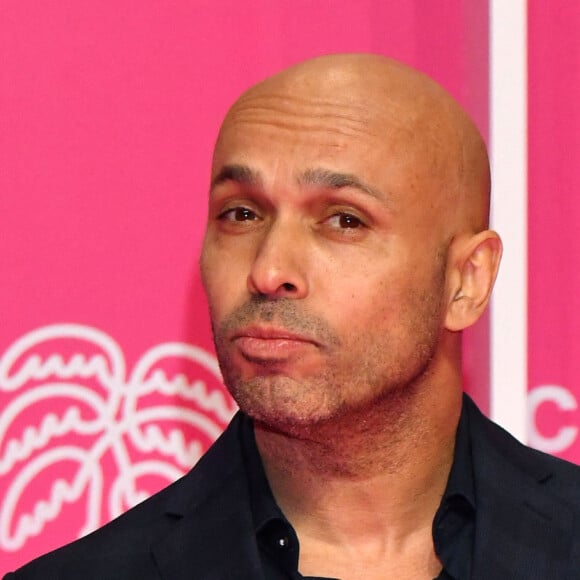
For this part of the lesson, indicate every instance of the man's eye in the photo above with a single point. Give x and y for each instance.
(238, 214)
(345, 221)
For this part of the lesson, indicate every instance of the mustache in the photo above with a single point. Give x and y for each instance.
(283, 312)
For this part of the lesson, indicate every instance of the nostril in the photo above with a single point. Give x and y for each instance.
(288, 287)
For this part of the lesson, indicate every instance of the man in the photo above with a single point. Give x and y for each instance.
(346, 249)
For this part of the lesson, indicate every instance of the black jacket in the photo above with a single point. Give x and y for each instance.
(200, 527)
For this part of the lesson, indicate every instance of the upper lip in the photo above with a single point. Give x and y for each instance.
(271, 333)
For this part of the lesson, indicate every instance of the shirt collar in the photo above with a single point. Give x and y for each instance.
(460, 482)
(454, 522)
(263, 505)
(276, 537)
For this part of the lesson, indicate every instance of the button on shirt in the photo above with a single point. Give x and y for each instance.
(453, 524)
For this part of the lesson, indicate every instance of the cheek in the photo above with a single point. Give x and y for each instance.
(377, 312)
(365, 300)
(226, 260)
(222, 280)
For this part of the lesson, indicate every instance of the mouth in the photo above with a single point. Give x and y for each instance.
(264, 345)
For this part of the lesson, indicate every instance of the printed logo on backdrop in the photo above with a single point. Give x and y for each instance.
(553, 420)
(82, 439)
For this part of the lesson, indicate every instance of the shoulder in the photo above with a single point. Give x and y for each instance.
(122, 548)
(101, 553)
(503, 456)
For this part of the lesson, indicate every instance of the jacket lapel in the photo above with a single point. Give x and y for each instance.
(214, 543)
(524, 532)
(213, 537)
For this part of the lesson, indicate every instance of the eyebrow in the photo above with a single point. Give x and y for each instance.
(239, 173)
(337, 180)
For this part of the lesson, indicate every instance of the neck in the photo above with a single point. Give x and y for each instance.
(380, 472)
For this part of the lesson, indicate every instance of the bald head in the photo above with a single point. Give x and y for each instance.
(348, 205)
(407, 117)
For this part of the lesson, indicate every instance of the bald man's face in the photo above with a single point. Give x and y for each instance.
(324, 255)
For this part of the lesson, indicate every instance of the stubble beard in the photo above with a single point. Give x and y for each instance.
(389, 373)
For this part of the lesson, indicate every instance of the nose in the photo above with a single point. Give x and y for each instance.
(279, 266)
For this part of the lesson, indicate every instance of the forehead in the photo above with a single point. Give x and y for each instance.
(287, 134)
(286, 120)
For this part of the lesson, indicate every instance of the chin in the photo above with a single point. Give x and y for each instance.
(282, 409)
(284, 415)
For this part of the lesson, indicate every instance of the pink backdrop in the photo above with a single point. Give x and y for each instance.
(108, 110)
(554, 223)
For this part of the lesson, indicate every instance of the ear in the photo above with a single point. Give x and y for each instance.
(473, 263)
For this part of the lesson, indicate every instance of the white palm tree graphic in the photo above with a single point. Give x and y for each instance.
(72, 410)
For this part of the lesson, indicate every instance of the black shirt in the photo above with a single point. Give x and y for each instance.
(453, 524)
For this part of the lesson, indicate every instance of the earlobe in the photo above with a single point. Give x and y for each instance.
(475, 265)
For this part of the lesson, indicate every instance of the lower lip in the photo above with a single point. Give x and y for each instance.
(273, 349)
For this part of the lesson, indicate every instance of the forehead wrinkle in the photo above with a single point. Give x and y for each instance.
(293, 104)
(294, 113)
